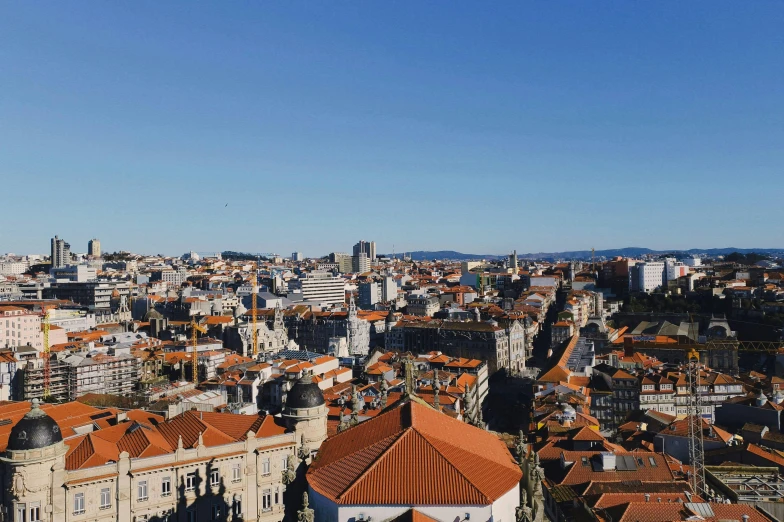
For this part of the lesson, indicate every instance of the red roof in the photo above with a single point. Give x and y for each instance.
(412, 454)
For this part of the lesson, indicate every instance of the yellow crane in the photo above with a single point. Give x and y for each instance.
(195, 329)
(47, 363)
(254, 311)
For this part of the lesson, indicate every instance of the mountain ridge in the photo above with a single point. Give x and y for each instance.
(423, 255)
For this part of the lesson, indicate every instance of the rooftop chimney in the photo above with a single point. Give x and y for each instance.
(628, 346)
(647, 497)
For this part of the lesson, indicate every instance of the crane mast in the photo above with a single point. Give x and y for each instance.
(47, 362)
(694, 416)
(254, 310)
(195, 329)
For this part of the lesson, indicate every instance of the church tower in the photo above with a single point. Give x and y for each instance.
(33, 469)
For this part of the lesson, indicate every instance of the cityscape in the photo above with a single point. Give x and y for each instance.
(391, 262)
(580, 385)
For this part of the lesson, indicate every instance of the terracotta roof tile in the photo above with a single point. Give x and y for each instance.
(412, 454)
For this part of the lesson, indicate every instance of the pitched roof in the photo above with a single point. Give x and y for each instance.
(412, 454)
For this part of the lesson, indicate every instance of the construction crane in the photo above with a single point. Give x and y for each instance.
(195, 329)
(47, 362)
(45, 321)
(254, 310)
(694, 418)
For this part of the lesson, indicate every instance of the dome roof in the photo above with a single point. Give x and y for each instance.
(152, 313)
(35, 430)
(304, 394)
(391, 317)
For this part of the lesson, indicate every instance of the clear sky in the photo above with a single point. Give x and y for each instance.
(472, 126)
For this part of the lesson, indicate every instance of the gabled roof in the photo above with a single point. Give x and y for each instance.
(413, 455)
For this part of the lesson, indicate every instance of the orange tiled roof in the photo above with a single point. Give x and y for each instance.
(676, 512)
(412, 454)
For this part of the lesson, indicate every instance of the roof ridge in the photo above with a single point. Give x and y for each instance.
(449, 463)
(373, 464)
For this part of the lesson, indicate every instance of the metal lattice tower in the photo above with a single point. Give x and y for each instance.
(694, 416)
(47, 355)
(254, 309)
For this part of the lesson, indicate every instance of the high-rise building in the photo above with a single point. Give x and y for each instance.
(366, 247)
(61, 253)
(297, 256)
(360, 263)
(343, 260)
(513, 260)
(94, 248)
(323, 287)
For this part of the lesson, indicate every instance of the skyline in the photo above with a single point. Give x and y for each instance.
(544, 128)
(76, 249)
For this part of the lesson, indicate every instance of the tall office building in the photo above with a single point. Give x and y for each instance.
(366, 247)
(94, 248)
(360, 263)
(297, 256)
(323, 287)
(513, 261)
(61, 253)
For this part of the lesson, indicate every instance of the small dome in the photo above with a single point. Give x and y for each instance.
(391, 317)
(35, 430)
(152, 313)
(304, 394)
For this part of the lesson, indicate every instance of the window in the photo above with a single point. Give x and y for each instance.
(237, 505)
(142, 490)
(584, 460)
(652, 461)
(216, 512)
(214, 478)
(277, 495)
(78, 503)
(190, 481)
(106, 498)
(35, 512)
(236, 472)
(265, 467)
(266, 500)
(191, 515)
(21, 513)
(166, 487)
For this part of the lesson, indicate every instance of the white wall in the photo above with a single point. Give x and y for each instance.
(502, 510)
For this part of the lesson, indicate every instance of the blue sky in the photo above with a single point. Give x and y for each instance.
(478, 127)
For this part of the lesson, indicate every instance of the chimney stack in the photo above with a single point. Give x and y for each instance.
(628, 346)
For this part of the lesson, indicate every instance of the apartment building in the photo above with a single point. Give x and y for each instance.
(20, 327)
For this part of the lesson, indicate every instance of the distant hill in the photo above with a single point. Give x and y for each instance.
(425, 255)
(641, 251)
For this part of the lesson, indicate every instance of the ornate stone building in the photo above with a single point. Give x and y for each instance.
(305, 414)
(134, 467)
